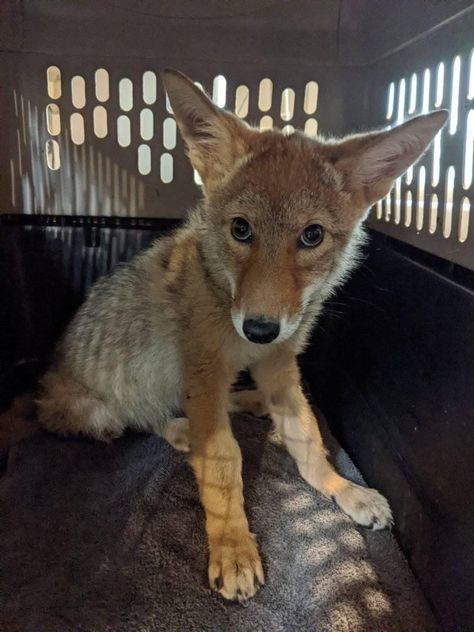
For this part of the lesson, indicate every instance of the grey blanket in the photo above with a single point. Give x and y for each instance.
(97, 538)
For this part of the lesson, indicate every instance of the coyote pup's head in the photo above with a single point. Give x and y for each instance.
(282, 214)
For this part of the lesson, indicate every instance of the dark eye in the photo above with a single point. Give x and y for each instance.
(241, 229)
(312, 236)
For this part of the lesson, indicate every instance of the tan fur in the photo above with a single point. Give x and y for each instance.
(163, 334)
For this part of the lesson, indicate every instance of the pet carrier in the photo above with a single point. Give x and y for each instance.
(92, 168)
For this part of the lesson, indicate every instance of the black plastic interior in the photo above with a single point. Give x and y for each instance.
(391, 365)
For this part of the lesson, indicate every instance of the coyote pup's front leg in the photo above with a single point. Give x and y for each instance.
(235, 569)
(278, 379)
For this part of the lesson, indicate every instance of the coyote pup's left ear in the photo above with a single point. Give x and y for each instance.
(370, 163)
(215, 139)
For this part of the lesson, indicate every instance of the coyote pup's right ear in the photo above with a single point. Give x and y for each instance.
(215, 139)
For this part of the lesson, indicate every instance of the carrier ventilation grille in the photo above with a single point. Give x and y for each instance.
(145, 126)
(95, 139)
(434, 199)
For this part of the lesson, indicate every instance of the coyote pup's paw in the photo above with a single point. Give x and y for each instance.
(235, 569)
(365, 506)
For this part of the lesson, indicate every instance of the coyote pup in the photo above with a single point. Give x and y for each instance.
(239, 286)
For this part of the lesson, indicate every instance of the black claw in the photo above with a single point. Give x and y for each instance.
(333, 498)
(218, 582)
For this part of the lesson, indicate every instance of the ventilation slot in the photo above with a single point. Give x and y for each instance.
(242, 101)
(388, 207)
(436, 159)
(144, 160)
(53, 119)
(464, 220)
(379, 209)
(169, 133)
(470, 91)
(420, 207)
(125, 94)
(448, 203)
(100, 121)
(219, 91)
(287, 104)
(433, 214)
(265, 93)
(53, 76)
(311, 127)
(469, 152)
(149, 87)
(453, 119)
(166, 168)
(77, 128)
(408, 209)
(413, 89)
(52, 155)
(401, 102)
(101, 85)
(266, 122)
(390, 101)
(439, 86)
(123, 131)
(146, 124)
(425, 106)
(310, 102)
(398, 201)
(78, 92)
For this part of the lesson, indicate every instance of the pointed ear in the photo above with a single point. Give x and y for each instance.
(370, 163)
(215, 140)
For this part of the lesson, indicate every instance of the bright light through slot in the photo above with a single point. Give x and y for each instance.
(453, 121)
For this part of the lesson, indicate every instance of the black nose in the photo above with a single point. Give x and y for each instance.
(260, 330)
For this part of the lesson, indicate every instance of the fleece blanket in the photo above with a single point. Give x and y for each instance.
(109, 538)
